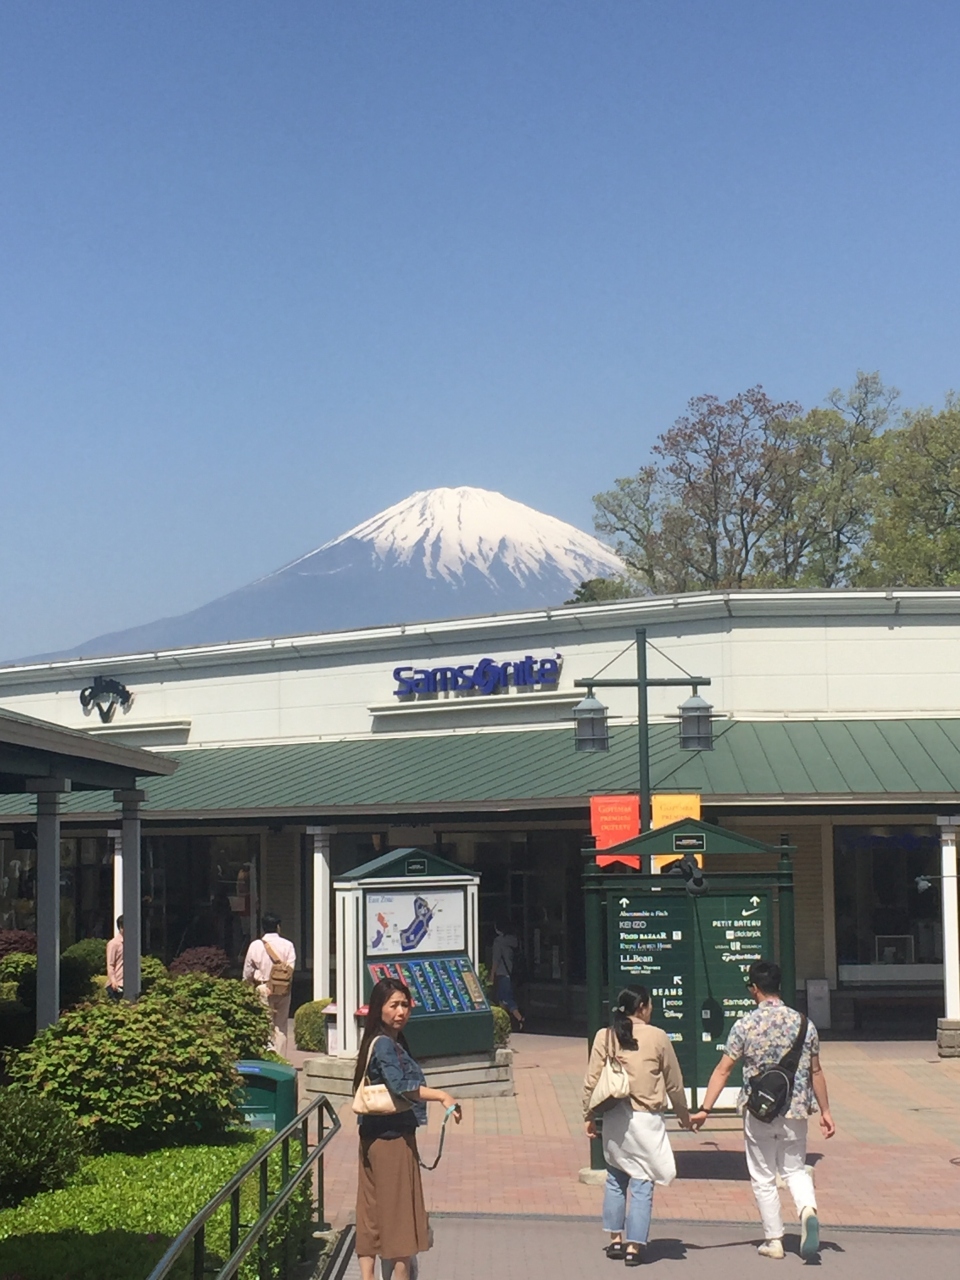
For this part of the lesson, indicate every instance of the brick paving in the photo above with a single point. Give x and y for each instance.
(472, 1249)
(895, 1161)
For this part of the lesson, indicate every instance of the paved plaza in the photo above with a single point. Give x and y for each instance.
(569, 1249)
(895, 1161)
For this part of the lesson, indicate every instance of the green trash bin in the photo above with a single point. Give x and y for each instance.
(269, 1093)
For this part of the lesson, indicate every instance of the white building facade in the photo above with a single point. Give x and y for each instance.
(838, 732)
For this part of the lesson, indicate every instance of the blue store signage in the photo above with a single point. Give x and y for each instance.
(483, 677)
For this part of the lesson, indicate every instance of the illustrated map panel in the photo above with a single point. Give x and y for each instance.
(410, 922)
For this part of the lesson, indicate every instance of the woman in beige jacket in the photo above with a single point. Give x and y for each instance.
(635, 1146)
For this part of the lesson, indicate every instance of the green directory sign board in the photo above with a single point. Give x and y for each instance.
(693, 954)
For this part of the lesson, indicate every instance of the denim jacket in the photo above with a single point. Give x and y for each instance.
(390, 1064)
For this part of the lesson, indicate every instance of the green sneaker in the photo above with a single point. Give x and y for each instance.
(809, 1233)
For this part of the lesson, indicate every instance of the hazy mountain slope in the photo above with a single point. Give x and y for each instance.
(441, 553)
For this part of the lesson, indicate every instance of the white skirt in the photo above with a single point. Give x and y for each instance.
(636, 1142)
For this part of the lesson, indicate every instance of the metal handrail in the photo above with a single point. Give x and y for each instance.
(195, 1230)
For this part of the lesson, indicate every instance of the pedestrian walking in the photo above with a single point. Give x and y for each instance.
(390, 1098)
(268, 966)
(115, 963)
(502, 967)
(783, 1085)
(635, 1066)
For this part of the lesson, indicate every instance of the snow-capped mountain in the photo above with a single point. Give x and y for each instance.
(441, 553)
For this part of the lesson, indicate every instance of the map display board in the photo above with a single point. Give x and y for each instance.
(404, 923)
(439, 984)
(693, 955)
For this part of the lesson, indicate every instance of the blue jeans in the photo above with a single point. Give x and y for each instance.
(634, 1213)
(503, 992)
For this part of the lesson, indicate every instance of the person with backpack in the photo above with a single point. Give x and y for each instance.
(269, 966)
(783, 1085)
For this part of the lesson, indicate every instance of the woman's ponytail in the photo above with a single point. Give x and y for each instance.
(629, 1002)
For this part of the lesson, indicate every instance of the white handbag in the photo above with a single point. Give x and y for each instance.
(376, 1099)
(614, 1083)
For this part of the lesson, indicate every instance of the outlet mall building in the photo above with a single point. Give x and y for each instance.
(838, 732)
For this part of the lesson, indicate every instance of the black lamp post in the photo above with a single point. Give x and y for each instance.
(590, 718)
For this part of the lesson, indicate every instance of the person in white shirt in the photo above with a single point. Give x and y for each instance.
(257, 970)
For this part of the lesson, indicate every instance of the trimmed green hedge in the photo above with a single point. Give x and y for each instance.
(117, 1217)
(92, 952)
(310, 1026)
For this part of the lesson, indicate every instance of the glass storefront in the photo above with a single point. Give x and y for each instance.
(86, 886)
(200, 891)
(888, 925)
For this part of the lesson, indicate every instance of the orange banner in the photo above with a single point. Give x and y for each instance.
(614, 819)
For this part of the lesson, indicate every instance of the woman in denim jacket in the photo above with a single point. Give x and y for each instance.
(391, 1218)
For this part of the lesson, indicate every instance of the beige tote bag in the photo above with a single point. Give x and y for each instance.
(376, 1099)
(614, 1083)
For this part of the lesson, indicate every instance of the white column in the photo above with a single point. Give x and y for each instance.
(116, 839)
(48, 897)
(951, 923)
(322, 917)
(349, 970)
(129, 802)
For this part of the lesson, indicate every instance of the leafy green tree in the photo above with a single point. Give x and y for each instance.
(751, 492)
(599, 590)
(915, 536)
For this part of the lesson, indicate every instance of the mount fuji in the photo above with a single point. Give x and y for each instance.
(441, 553)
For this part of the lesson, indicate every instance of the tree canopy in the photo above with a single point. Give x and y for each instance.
(752, 492)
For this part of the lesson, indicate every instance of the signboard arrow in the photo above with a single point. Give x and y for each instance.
(754, 902)
(624, 902)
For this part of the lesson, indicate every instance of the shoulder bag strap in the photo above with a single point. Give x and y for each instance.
(791, 1059)
(270, 951)
(366, 1069)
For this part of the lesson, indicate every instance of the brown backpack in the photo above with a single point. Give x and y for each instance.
(281, 975)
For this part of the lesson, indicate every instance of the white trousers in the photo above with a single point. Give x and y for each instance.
(777, 1147)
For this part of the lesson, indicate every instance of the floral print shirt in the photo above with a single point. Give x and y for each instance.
(761, 1038)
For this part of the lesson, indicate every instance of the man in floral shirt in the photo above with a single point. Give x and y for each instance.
(762, 1038)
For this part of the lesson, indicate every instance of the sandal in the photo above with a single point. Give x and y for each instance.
(634, 1257)
(616, 1250)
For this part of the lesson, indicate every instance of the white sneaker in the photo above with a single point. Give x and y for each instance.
(809, 1233)
(771, 1249)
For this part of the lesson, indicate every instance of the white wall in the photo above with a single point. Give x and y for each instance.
(770, 655)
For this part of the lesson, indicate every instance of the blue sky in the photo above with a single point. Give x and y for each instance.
(269, 267)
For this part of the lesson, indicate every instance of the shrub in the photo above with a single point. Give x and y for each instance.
(40, 1145)
(137, 1075)
(75, 984)
(92, 952)
(234, 1005)
(8, 992)
(15, 964)
(151, 971)
(501, 1027)
(210, 960)
(310, 1026)
(17, 940)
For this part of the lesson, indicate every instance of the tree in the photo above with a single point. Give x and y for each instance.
(752, 492)
(915, 537)
(694, 519)
(598, 590)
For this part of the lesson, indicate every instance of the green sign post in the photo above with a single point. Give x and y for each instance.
(691, 952)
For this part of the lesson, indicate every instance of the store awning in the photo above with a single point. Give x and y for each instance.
(754, 762)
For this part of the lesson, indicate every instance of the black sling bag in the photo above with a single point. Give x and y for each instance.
(770, 1091)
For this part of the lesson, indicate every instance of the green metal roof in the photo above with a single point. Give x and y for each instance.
(753, 760)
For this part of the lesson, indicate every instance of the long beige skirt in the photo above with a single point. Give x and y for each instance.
(391, 1217)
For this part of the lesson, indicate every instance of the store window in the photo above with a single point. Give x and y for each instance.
(888, 927)
(86, 885)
